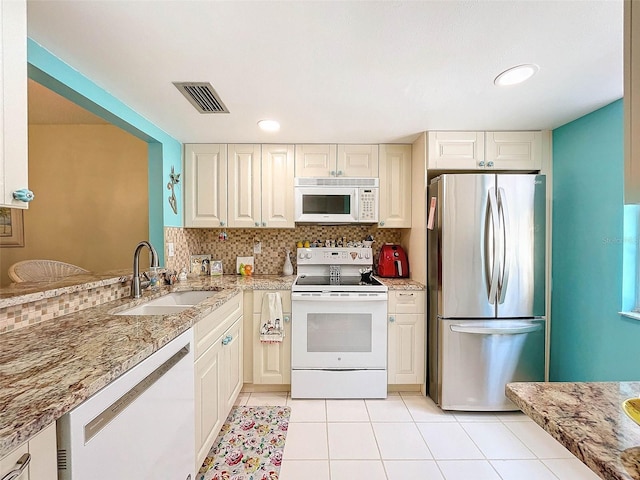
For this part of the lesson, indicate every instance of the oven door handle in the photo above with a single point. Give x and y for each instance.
(337, 297)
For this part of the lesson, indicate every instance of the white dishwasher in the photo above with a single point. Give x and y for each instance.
(140, 426)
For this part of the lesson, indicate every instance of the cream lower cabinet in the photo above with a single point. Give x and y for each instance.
(43, 457)
(406, 337)
(395, 186)
(271, 361)
(218, 372)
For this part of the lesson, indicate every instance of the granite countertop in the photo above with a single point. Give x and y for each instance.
(587, 419)
(49, 368)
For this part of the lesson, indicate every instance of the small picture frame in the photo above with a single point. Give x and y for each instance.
(216, 267)
(200, 264)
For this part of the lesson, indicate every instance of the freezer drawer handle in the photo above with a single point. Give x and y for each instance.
(533, 327)
(21, 464)
(112, 411)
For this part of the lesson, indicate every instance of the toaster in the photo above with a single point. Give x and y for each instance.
(392, 261)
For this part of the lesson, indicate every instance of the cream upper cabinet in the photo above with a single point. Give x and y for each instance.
(632, 102)
(277, 186)
(318, 160)
(315, 160)
(455, 150)
(261, 186)
(406, 350)
(244, 185)
(271, 361)
(205, 185)
(357, 161)
(13, 105)
(513, 150)
(485, 150)
(43, 463)
(395, 186)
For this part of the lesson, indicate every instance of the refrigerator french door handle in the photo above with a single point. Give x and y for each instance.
(491, 266)
(506, 252)
(533, 327)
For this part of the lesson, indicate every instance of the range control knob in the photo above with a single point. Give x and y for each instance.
(301, 255)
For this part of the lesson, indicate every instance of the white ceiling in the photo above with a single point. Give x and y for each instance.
(342, 71)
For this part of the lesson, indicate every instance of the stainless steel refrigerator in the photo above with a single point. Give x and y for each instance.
(486, 286)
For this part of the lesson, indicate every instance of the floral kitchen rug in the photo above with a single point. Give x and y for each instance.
(249, 446)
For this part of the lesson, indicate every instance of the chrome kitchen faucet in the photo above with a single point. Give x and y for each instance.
(136, 284)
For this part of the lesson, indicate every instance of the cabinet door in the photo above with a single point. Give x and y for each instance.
(357, 161)
(13, 98)
(316, 160)
(205, 185)
(395, 186)
(406, 348)
(277, 186)
(44, 455)
(244, 186)
(208, 392)
(231, 367)
(8, 463)
(456, 150)
(271, 361)
(513, 150)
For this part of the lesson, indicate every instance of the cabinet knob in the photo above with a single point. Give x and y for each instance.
(382, 223)
(339, 172)
(226, 340)
(392, 319)
(23, 195)
(287, 318)
(21, 464)
(490, 164)
(257, 224)
(222, 223)
(333, 173)
(481, 164)
(264, 224)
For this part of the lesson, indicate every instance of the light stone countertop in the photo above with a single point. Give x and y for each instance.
(49, 368)
(588, 420)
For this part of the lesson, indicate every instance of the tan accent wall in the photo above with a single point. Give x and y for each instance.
(415, 239)
(91, 198)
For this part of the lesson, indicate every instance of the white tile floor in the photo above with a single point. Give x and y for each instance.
(406, 437)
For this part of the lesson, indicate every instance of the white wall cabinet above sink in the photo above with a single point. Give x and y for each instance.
(320, 160)
(13, 104)
(238, 186)
(486, 150)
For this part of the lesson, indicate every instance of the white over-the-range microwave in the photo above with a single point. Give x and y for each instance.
(336, 200)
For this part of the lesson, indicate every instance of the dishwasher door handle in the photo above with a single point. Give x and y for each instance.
(510, 330)
(21, 465)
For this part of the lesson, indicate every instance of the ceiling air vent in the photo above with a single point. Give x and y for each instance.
(202, 96)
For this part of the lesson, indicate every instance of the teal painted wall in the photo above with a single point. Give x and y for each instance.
(164, 151)
(590, 341)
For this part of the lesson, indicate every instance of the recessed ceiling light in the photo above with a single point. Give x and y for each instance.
(269, 125)
(517, 74)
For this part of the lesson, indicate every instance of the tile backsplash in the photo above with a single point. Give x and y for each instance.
(274, 243)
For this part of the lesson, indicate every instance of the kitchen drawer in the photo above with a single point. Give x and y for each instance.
(259, 294)
(211, 327)
(406, 301)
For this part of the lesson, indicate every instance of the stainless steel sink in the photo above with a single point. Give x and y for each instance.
(171, 303)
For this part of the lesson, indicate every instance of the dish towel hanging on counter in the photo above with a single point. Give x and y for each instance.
(272, 329)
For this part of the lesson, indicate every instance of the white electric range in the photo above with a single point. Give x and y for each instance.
(339, 325)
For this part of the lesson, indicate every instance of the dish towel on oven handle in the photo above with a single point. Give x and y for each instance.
(271, 321)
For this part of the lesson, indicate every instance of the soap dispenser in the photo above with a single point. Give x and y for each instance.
(288, 268)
